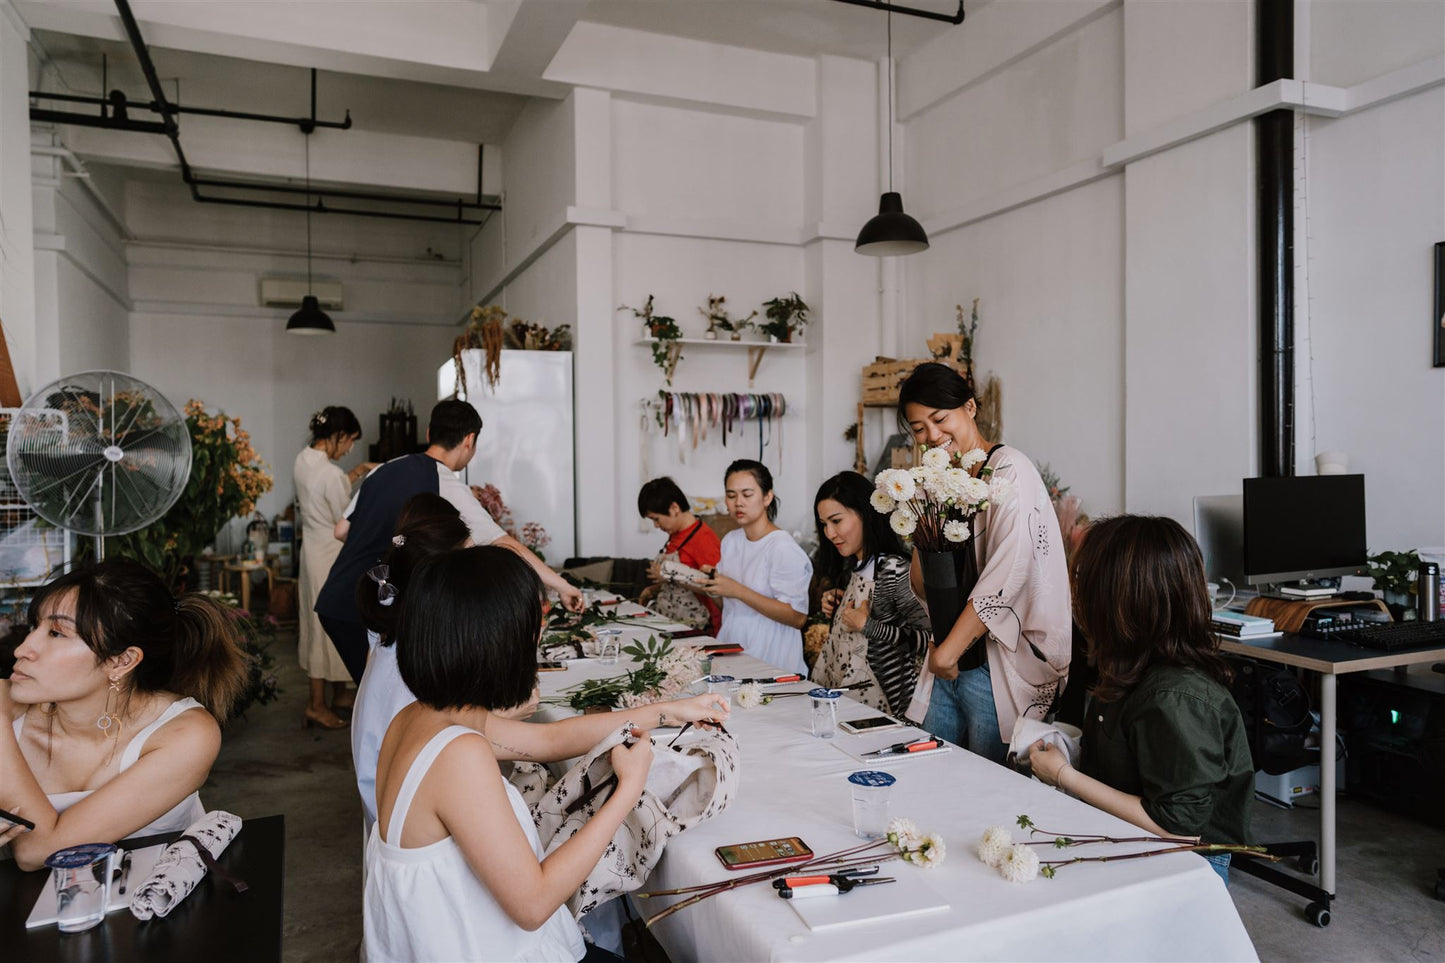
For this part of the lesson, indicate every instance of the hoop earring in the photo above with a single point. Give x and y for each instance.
(106, 722)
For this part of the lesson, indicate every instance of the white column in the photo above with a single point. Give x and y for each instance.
(17, 259)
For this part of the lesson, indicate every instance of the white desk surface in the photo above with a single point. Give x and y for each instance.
(1163, 908)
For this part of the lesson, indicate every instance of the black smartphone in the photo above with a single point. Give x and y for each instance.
(17, 820)
(551, 666)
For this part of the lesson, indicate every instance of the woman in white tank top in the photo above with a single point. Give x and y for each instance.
(454, 866)
(113, 706)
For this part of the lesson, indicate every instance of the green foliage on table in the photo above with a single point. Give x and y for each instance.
(647, 677)
(227, 476)
(785, 315)
(1395, 571)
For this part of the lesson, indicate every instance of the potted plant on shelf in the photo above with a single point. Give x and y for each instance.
(785, 315)
(1395, 574)
(717, 316)
(664, 332)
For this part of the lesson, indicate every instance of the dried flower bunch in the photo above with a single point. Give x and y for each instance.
(717, 316)
(932, 503)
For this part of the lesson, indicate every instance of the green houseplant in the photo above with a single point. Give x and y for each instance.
(1395, 574)
(666, 352)
(785, 315)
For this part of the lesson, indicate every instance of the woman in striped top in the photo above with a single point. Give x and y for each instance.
(880, 630)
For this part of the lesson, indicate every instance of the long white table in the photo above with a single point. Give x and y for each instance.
(1161, 908)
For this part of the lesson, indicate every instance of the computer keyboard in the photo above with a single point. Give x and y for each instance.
(1393, 636)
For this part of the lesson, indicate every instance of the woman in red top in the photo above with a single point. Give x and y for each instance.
(690, 542)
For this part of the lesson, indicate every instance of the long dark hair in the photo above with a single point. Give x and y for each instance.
(428, 525)
(933, 385)
(852, 491)
(1140, 601)
(764, 478)
(191, 644)
(331, 421)
(471, 630)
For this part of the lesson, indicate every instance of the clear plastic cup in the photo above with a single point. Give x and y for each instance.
(871, 790)
(825, 712)
(609, 646)
(82, 884)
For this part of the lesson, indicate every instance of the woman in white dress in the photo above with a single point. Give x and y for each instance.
(454, 866)
(763, 575)
(108, 723)
(323, 491)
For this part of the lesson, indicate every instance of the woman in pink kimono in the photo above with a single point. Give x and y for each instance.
(1018, 609)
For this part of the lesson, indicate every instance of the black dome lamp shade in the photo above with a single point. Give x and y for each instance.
(891, 232)
(309, 318)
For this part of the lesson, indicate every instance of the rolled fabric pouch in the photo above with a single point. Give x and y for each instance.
(183, 864)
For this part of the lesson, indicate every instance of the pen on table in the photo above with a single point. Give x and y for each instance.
(124, 871)
(782, 678)
(900, 748)
(793, 882)
(843, 885)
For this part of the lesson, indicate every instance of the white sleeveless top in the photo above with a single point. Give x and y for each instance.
(181, 816)
(427, 904)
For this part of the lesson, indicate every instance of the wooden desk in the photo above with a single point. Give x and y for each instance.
(1330, 659)
(212, 924)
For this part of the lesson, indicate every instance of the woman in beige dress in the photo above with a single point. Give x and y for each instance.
(322, 492)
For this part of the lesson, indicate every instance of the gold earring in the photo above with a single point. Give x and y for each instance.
(107, 721)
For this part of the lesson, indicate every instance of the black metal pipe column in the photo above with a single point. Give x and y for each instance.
(1274, 179)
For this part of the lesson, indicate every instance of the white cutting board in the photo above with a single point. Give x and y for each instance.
(910, 896)
(141, 863)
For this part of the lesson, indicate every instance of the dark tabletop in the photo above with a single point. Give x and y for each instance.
(213, 924)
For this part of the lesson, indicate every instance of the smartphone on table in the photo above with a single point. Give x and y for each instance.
(765, 852)
(870, 724)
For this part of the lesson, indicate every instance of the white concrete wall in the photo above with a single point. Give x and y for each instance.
(17, 253)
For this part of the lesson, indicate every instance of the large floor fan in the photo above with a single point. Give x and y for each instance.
(99, 453)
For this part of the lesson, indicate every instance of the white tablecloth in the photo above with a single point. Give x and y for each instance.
(1161, 908)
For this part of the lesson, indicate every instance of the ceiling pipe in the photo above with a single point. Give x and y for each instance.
(1274, 187)
(955, 18)
(153, 107)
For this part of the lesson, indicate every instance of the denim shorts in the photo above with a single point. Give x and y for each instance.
(962, 711)
(1219, 862)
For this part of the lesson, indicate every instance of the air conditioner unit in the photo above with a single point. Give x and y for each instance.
(288, 292)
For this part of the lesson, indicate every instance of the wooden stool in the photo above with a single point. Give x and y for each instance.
(244, 569)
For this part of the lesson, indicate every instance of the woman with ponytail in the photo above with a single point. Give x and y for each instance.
(114, 705)
(322, 492)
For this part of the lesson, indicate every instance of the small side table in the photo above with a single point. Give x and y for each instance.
(241, 571)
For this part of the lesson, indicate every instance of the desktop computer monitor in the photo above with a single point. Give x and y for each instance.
(1303, 528)
(1219, 530)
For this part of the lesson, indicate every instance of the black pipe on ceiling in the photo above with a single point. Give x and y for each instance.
(116, 99)
(1274, 193)
(953, 18)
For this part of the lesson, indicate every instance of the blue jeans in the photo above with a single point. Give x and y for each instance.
(961, 710)
(1219, 862)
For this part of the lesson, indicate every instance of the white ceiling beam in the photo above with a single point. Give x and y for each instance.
(534, 33)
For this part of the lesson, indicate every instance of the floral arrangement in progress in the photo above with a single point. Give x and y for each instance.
(932, 502)
(262, 686)
(662, 673)
(227, 477)
(531, 534)
(1019, 862)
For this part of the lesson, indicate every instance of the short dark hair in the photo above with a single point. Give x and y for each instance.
(191, 644)
(451, 422)
(331, 421)
(659, 495)
(852, 491)
(764, 478)
(428, 525)
(933, 385)
(469, 630)
(1140, 601)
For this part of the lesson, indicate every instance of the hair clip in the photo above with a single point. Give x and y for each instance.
(398, 540)
(321, 417)
(385, 591)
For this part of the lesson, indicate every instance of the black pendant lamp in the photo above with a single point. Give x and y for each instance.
(309, 318)
(891, 232)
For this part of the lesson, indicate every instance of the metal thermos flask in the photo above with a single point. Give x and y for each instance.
(1428, 592)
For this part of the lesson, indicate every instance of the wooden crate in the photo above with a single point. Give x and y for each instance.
(883, 378)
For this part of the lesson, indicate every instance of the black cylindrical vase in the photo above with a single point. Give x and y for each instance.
(944, 588)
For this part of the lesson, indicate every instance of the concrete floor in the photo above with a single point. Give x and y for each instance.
(269, 764)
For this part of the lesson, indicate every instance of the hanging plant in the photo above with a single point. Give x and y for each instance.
(483, 331)
(785, 315)
(666, 352)
(717, 316)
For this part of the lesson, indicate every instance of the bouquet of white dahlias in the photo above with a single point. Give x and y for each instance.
(932, 503)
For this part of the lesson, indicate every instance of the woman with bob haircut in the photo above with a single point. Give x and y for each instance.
(880, 631)
(1164, 745)
(762, 576)
(112, 707)
(454, 867)
(1018, 610)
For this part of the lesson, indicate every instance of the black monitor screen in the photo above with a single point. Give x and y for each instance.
(1306, 527)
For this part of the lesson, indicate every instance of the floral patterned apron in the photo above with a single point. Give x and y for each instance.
(676, 601)
(844, 659)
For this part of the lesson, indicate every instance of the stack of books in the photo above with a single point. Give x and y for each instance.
(1237, 625)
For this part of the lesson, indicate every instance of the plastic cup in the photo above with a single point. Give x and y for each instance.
(871, 790)
(825, 712)
(609, 646)
(82, 884)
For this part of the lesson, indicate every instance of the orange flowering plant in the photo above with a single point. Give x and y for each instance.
(227, 476)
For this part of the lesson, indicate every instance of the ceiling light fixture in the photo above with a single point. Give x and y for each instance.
(309, 319)
(891, 232)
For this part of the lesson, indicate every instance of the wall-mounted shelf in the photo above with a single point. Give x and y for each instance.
(756, 350)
